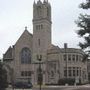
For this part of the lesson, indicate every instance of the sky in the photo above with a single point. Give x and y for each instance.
(16, 14)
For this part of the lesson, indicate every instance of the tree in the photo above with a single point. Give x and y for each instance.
(85, 5)
(83, 23)
(3, 77)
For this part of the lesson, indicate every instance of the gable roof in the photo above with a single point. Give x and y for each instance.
(8, 54)
(24, 34)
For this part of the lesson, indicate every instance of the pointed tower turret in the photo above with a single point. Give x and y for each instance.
(34, 2)
(39, 2)
(45, 1)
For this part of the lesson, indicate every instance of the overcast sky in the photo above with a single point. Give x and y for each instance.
(16, 14)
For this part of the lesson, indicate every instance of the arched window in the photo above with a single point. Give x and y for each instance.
(39, 10)
(47, 11)
(25, 56)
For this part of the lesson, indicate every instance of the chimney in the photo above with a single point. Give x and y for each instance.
(65, 45)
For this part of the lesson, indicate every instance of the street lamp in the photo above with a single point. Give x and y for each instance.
(39, 58)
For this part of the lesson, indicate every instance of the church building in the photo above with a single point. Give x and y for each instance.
(23, 59)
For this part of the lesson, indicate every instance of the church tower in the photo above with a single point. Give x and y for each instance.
(41, 28)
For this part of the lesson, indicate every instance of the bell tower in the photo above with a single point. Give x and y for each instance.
(41, 28)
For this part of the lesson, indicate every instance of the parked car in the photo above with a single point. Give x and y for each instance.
(22, 85)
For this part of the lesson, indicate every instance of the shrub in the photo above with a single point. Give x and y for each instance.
(69, 81)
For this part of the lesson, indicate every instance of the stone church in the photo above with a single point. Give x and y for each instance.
(22, 59)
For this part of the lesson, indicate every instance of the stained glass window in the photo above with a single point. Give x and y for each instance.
(25, 56)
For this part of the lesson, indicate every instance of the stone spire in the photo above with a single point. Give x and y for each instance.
(34, 2)
(45, 1)
(39, 2)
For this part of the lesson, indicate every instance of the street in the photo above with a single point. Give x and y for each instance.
(85, 87)
(17, 89)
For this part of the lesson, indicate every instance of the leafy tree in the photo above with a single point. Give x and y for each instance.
(3, 77)
(83, 23)
(85, 5)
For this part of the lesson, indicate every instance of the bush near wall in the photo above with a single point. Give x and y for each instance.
(69, 81)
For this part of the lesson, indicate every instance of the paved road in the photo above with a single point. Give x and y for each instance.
(17, 89)
(65, 88)
(58, 88)
(82, 88)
